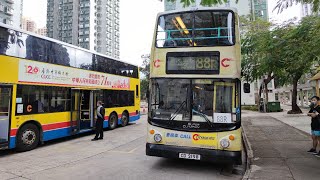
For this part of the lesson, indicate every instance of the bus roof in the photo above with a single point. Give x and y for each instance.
(198, 9)
(61, 42)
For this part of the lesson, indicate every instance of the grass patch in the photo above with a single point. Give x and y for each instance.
(250, 108)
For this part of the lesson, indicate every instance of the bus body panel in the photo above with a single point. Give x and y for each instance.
(209, 140)
(229, 62)
(57, 125)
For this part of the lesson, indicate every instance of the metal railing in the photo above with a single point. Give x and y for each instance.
(193, 37)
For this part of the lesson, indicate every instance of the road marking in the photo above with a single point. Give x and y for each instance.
(125, 152)
(133, 150)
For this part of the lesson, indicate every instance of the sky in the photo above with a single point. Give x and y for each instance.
(287, 14)
(137, 23)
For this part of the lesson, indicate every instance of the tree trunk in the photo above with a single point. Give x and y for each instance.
(294, 106)
(266, 91)
(260, 93)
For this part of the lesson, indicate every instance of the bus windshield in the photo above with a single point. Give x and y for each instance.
(201, 28)
(194, 100)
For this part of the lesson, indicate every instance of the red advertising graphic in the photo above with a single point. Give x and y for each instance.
(36, 72)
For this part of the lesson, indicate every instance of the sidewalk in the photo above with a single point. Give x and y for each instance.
(278, 150)
(298, 121)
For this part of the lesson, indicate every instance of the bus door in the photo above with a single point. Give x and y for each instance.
(5, 109)
(224, 102)
(84, 105)
(75, 111)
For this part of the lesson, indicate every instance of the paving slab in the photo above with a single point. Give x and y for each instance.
(279, 150)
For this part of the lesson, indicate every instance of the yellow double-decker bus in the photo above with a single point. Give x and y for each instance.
(194, 98)
(49, 89)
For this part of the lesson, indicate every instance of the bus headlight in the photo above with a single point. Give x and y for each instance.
(157, 138)
(224, 143)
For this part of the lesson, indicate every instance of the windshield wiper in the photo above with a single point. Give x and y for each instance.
(175, 114)
(204, 116)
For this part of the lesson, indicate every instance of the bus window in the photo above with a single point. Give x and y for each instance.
(84, 59)
(171, 99)
(224, 99)
(174, 30)
(202, 101)
(204, 28)
(137, 90)
(43, 99)
(213, 28)
(62, 55)
(10, 41)
(37, 49)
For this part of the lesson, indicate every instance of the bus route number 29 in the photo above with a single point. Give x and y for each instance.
(222, 118)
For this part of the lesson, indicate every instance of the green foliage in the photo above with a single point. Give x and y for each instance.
(144, 84)
(249, 108)
(145, 69)
(284, 4)
(285, 52)
(257, 50)
(299, 48)
(187, 3)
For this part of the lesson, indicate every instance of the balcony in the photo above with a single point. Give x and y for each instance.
(7, 21)
(10, 1)
(8, 11)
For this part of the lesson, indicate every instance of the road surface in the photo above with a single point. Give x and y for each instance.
(121, 155)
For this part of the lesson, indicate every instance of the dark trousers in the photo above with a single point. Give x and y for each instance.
(99, 128)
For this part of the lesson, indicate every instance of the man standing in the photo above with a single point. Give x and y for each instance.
(99, 122)
(315, 124)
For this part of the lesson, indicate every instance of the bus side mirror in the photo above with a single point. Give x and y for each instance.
(246, 87)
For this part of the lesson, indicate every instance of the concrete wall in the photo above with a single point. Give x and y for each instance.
(248, 98)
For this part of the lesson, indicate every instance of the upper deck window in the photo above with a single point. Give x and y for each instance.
(201, 28)
(21, 45)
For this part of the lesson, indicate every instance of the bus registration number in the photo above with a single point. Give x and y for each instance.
(222, 118)
(189, 156)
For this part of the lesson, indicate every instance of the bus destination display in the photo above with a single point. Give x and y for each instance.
(193, 64)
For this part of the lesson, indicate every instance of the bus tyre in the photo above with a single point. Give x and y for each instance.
(28, 137)
(124, 119)
(113, 119)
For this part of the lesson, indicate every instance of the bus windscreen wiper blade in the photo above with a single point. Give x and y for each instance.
(204, 116)
(174, 115)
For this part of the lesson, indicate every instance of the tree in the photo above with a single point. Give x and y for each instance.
(258, 53)
(299, 51)
(144, 84)
(284, 4)
(145, 70)
(285, 52)
(187, 3)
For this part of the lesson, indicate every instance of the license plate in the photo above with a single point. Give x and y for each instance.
(189, 156)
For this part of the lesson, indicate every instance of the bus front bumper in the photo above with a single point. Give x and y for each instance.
(216, 156)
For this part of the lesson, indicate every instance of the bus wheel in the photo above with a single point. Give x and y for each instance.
(27, 137)
(113, 119)
(124, 119)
